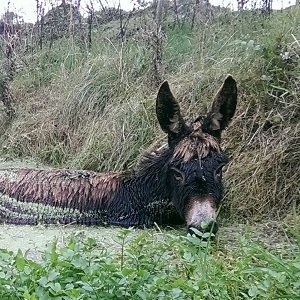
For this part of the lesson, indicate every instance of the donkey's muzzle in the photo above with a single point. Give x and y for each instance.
(200, 215)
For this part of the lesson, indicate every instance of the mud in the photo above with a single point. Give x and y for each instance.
(34, 239)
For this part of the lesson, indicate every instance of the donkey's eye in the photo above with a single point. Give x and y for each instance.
(218, 172)
(178, 175)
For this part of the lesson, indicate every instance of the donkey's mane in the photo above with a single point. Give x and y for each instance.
(153, 160)
(196, 145)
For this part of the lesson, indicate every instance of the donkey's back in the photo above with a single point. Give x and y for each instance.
(30, 196)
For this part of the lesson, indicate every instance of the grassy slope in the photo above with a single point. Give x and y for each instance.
(96, 111)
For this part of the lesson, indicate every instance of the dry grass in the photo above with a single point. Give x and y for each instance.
(96, 110)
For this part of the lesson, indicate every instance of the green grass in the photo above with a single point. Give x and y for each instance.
(153, 265)
(67, 90)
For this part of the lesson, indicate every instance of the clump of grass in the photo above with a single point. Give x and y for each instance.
(151, 266)
(84, 111)
(267, 156)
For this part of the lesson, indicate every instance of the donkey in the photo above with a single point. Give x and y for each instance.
(177, 183)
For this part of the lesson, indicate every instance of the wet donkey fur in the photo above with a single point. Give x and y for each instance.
(181, 182)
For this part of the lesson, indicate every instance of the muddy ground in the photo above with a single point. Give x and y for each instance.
(34, 239)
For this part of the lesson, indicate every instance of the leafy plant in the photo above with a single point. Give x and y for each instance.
(151, 265)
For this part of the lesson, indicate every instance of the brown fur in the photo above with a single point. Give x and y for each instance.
(83, 190)
(197, 144)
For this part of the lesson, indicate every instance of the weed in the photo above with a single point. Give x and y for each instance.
(151, 265)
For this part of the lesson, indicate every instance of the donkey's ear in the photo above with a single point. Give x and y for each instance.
(168, 113)
(223, 108)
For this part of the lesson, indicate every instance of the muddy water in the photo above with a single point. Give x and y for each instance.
(14, 237)
(34, 239)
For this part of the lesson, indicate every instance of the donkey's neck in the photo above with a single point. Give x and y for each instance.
(143, 196)
(151, 174)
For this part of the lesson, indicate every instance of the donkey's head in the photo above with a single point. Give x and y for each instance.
(196, 160)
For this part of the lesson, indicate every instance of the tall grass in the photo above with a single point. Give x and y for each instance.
(95, 110)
